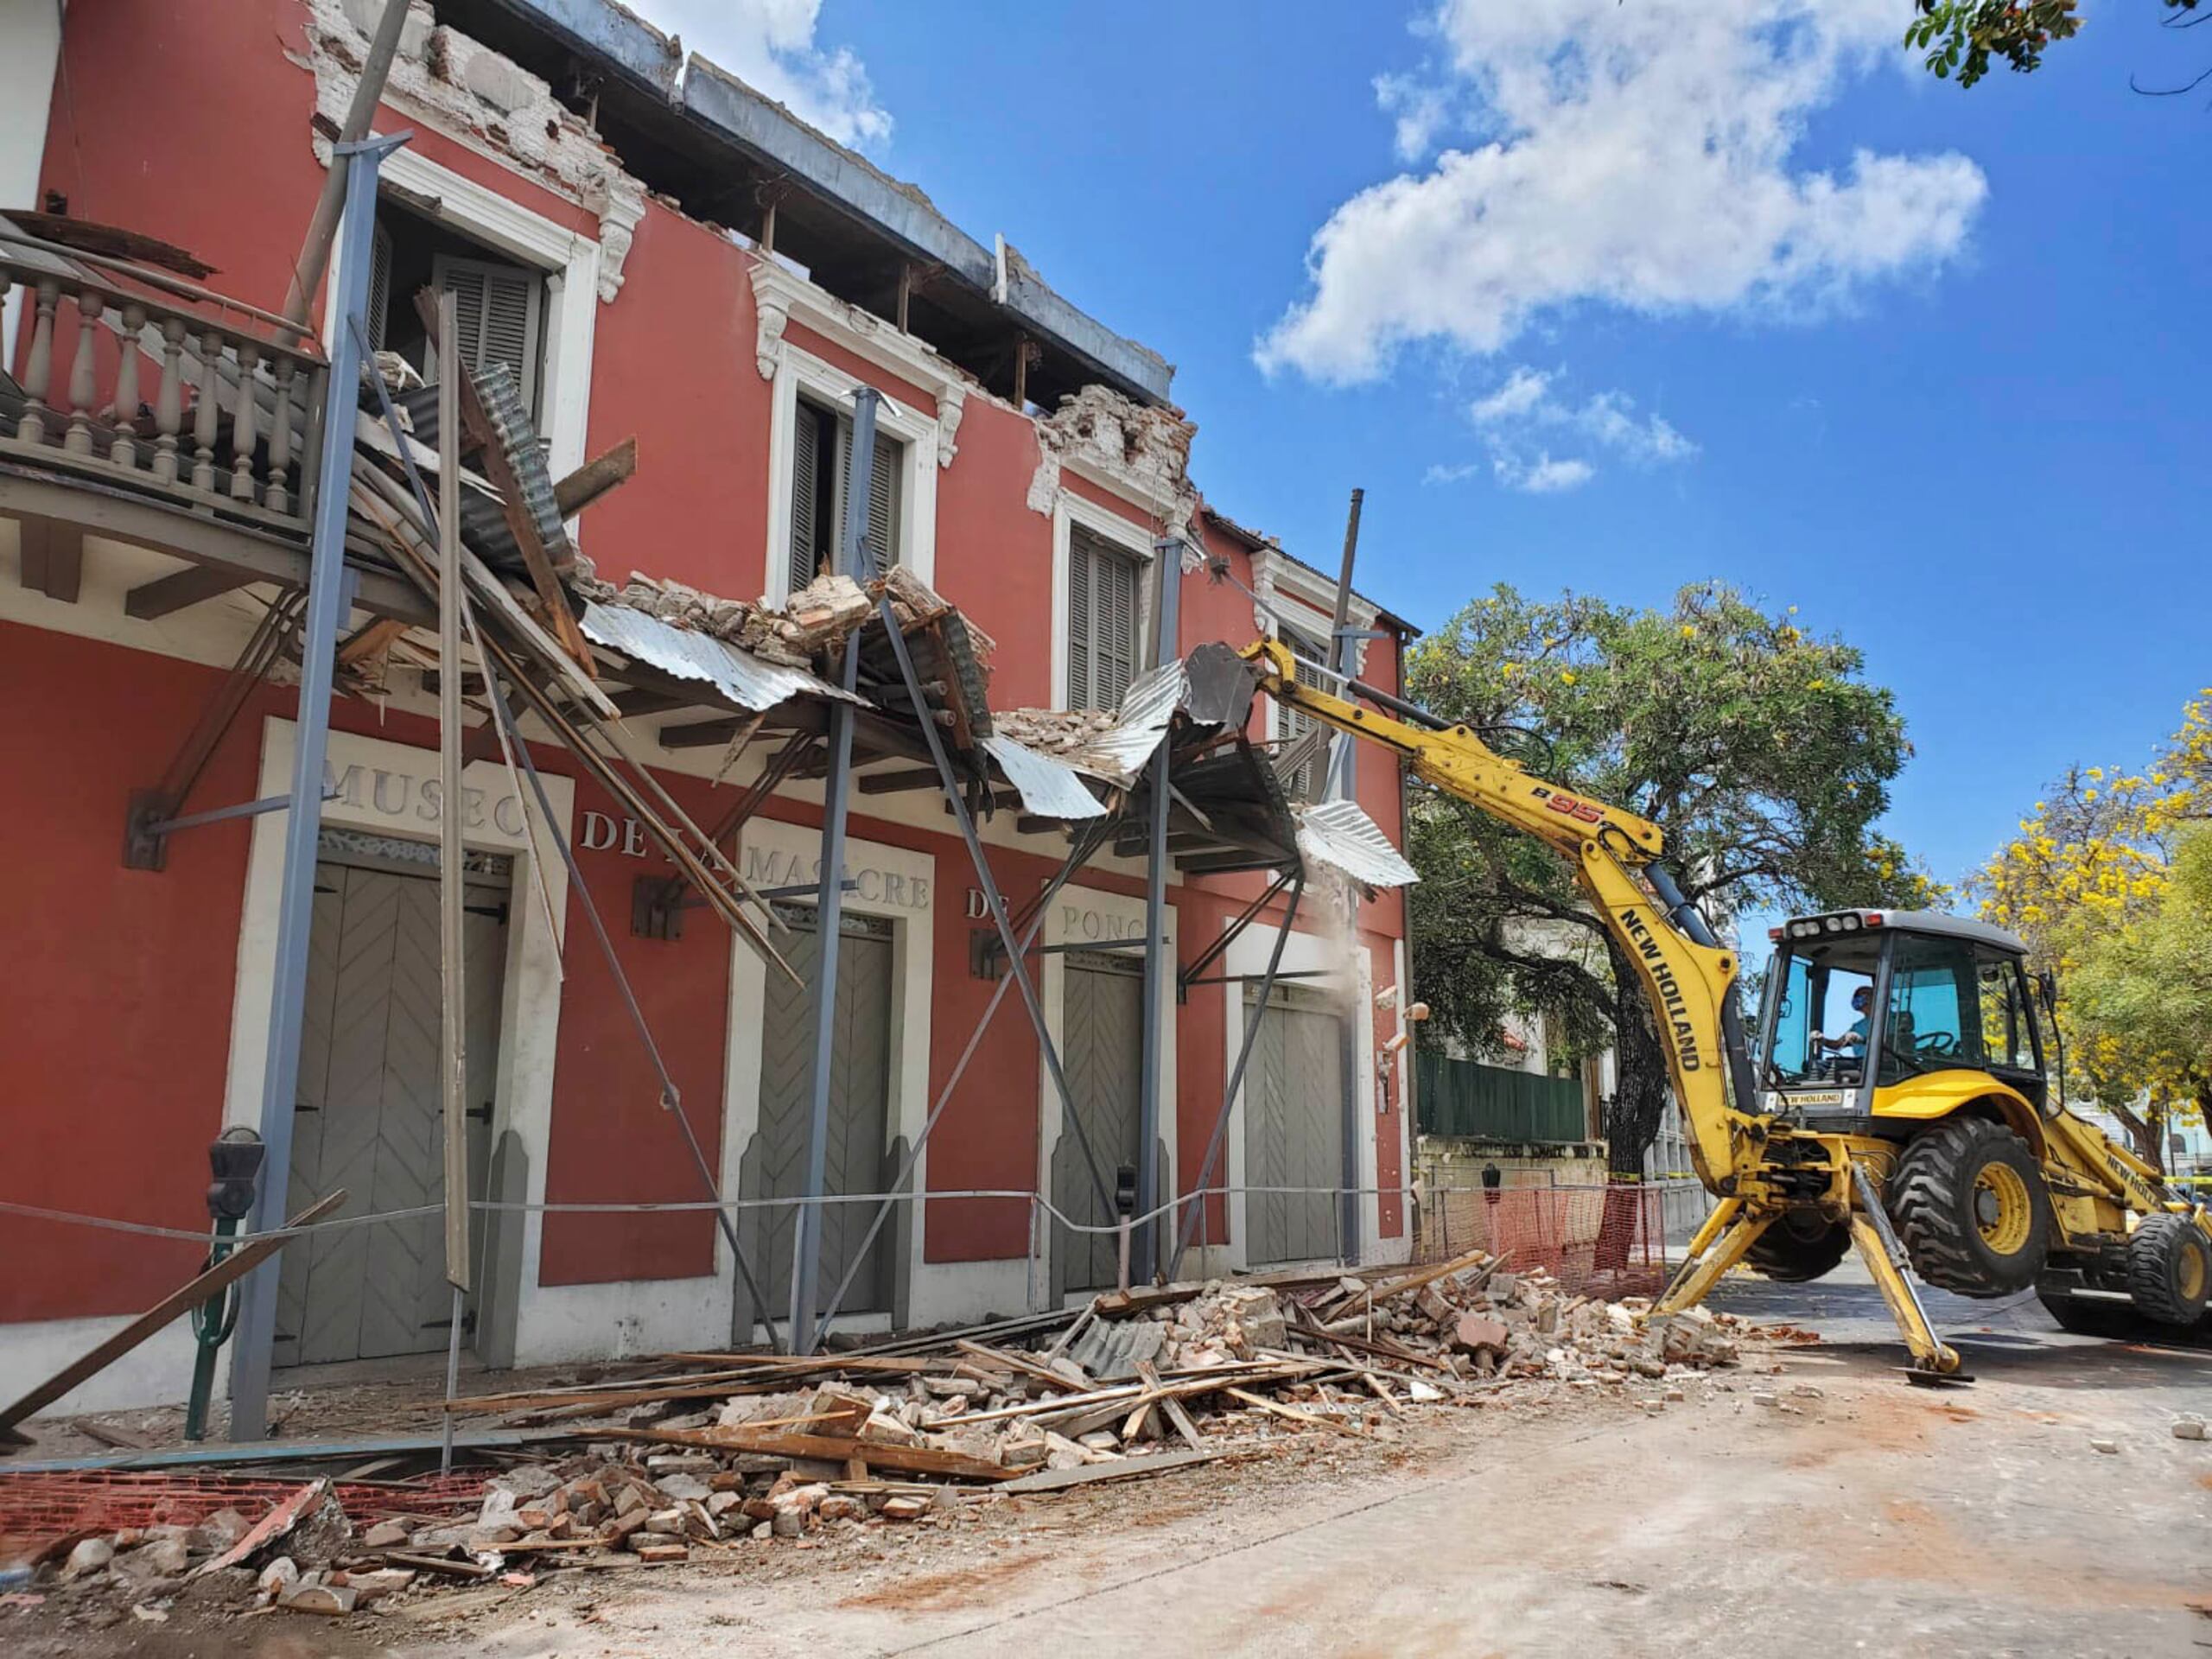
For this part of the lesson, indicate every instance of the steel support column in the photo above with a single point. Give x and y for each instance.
(329, 592)
(1342, 770)
(1159, 964)
(854, 559)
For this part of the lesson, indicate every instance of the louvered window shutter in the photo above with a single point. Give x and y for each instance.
(883, 503)
(882, 496)
(1117, 641)
(1102, 584)
(806, 462)
(1079, 623)
(497, 310)
(379, 306)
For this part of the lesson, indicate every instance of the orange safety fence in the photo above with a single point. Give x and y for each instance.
(40, 1510)
(1607, 1241)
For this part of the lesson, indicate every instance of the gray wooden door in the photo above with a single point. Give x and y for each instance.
(1294, 1119)
(1101, 1035)
(368, 1113)
(859, 1112)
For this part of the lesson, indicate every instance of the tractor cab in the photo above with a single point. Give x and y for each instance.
(1864, 1012)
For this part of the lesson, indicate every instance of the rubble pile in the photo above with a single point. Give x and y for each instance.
(1054, 731)
(816, 618)
(755, 1450)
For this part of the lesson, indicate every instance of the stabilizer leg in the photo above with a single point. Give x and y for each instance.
(1711, 1256)
(1932, 1359)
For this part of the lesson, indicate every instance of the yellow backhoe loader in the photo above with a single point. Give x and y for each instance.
(1900, 1100)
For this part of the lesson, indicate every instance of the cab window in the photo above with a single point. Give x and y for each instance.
(2006, 1017)
(1924, 1028)
(1815, 1032)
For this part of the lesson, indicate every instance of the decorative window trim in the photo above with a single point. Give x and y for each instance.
(917, 433)
(780, 294)
(1306, 598)
(569, 261)
(1069, 510)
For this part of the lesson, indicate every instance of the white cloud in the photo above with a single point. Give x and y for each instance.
(1422, 110)
(1641, 155)
(1543, 475)
(770, 45)
(1522, 410)
(1525, 390)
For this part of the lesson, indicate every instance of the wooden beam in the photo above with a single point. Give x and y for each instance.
(372, 638)
(700, 735)
(177, 590)
(638, 702)
(907, 1459)
(893, 783)
(53, 558)
(596, 478)
(231, 1269)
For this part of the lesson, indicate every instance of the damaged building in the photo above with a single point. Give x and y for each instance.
(697, 325)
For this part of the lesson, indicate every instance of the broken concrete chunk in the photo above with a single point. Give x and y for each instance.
(329, 1599)
(89, 1556)
(279, 1576)
(1478, 1333)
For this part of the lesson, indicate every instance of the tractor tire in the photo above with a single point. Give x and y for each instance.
(2170, 1269)
(2086, 1316)
(1802, 1245)
(1971, 1209)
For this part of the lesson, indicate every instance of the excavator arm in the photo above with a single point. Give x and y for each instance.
(1689, 976)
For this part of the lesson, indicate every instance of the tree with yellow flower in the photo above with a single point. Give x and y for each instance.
(2110, 882)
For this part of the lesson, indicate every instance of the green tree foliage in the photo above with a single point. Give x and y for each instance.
(1757, 748)
(1959, 39)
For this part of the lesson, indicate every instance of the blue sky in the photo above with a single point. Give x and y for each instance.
(1953, 411)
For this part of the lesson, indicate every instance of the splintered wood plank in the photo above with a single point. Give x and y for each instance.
(1277, 1408)
(1169, 1405)
(231, 1269)
(909, 1459)
(1052, 1480)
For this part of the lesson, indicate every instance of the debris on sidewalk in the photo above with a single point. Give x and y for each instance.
(729, 1453)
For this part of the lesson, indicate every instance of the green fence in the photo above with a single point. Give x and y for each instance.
(1488, 1102)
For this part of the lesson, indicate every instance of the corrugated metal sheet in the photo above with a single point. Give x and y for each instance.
(1048, 787)
(1338, 835)
(1118, 753)
(745, 679)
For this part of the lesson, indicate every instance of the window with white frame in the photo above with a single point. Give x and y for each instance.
(499, 306)
(822, 469)
(1105, 583)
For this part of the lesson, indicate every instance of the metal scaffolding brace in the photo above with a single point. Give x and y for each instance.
(1167, 559)
(856, 559)
(330, 587)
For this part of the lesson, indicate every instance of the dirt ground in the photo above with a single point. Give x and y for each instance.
(1851, 1513)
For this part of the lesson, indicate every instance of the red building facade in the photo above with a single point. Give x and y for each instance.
(579, 183)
